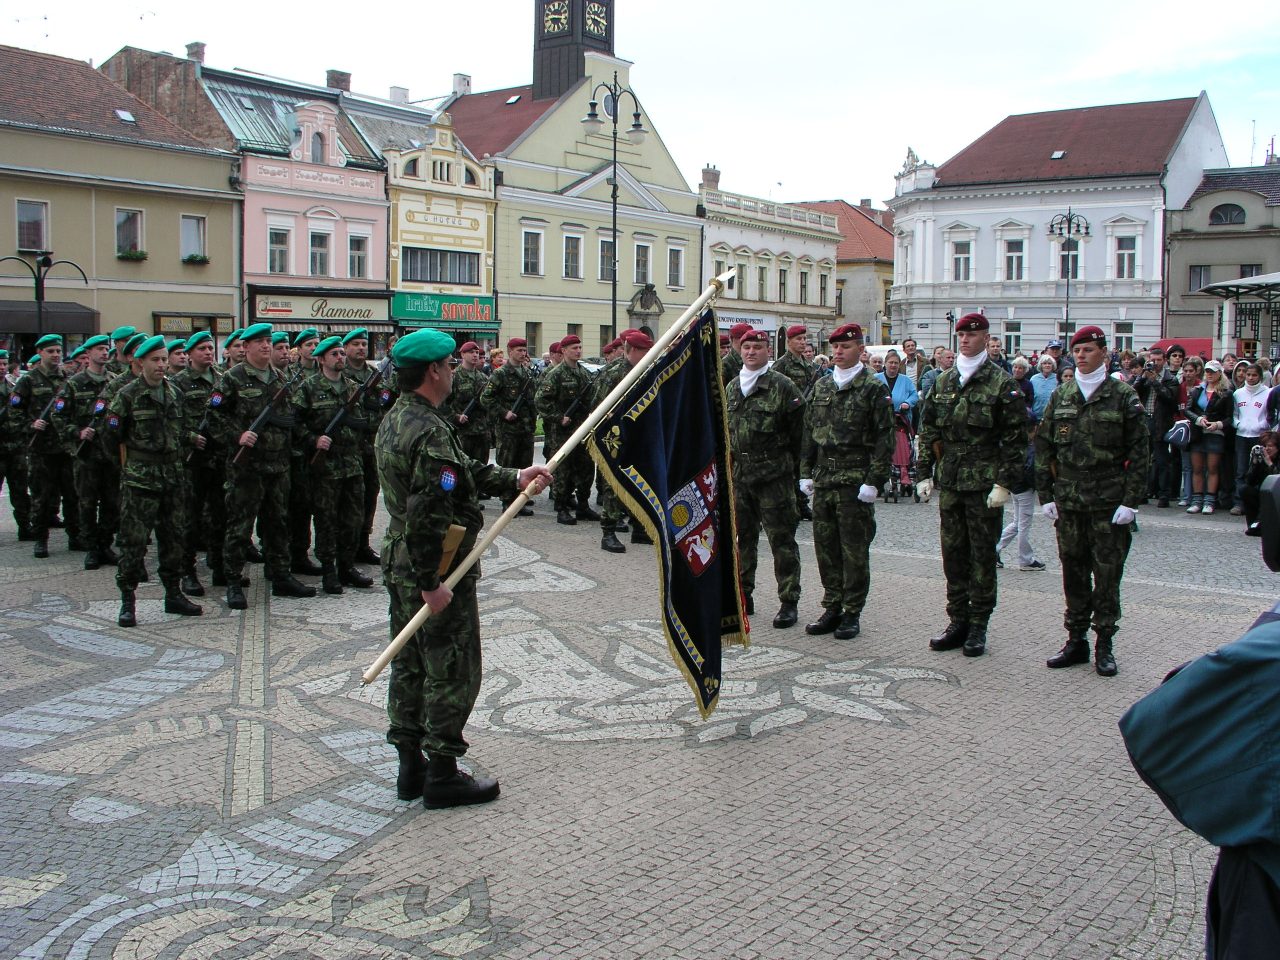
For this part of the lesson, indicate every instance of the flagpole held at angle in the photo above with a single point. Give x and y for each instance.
(691, 313)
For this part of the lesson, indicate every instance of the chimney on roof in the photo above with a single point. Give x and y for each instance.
(338, 80)
(865, 203)
(399, 94)
(461, 84)
(195, 51)
(710, 177)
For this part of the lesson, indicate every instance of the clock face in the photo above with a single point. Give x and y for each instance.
(597, 19)
(555, 17)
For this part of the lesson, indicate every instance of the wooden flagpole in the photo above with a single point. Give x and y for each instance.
(693, 311)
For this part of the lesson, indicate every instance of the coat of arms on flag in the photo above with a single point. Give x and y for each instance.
(692, 514)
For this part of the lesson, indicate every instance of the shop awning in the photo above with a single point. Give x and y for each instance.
(19, 316)
(1265, 287)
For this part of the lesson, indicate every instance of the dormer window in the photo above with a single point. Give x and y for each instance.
(317, 148)
(411, 168)
(1226, 214)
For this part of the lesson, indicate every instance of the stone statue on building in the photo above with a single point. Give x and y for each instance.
(645, 307)
(912, 161)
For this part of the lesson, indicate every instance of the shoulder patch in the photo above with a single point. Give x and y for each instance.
(15, 400)
(99, 405)
(113, 422)
(215, 399)
(59, 404)
(448, 478)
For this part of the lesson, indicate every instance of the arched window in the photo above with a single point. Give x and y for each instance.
(468, 177)
(1226, 214)
(317, 148)
(411, 168)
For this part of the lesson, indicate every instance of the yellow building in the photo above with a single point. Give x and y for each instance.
(143, 208)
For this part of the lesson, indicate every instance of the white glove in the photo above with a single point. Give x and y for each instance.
(806, 487)
(1050, 510)
(924, 488)
(867, 493)
(998, 496)
(1123, 515)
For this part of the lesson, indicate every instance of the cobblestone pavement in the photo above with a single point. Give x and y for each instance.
(221, 787)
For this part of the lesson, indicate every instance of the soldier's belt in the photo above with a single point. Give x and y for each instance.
(1067, 473)
(150, 457)
(850, 460)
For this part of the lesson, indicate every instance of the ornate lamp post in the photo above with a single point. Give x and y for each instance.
(44, 263)
(593, 124)
(1071, 227)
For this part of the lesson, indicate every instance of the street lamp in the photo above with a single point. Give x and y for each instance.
(1070, 226)
(636, 134)
(44, 263)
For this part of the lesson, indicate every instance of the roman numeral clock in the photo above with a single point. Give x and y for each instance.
(563, 31)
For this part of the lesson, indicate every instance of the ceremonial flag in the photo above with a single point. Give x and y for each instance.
(664, 450)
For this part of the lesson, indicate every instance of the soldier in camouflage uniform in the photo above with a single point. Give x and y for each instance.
(848, 442)
(766, 424)
(551, 437)
(1092, 454)
(564, 401)
(731, 362)
(468, 415)
(634, 345)
(36, 397)
(257, 485)
(300, 502)
(206, 467)
(177, 361)
(146, 426)
(120, 336)
(97, 473)
(804, 374)
(428, 484)
(335, 471)
(13, 453)
(973, 442)
(509, 399)
(376, 404)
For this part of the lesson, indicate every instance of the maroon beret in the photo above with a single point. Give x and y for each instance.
(637, 338)
(724, 340)
(1089, 334)
(557, 347)
(517, 342)
(738, 329)
(755, 336)
(613, 344)
(469, 345)
(571, 340)
(972, 323)
(799, 330)
(847, 333)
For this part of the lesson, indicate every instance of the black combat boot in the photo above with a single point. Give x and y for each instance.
(353, 576)
(287, 586)
(639, 535)
(849, 627)
(413, 770)
(330, 582)
(610, 543)
(826, 623)
(950, 638)
(564, 516)
(1074, 651)
(526, 510)
(584, 511)
(128, 613)
(108, 557)
(24, 534)
(41, 550)
(749, 605)
(191, 584)
(77, 545)
(91, 560)
(305, 566)
(252, 554)
(1103, 660)
(786, 616)
(447, 786)
(220, 579)
(367, 554)
(975, 643)
(806, 512)
(235, 597)
(176, 602)
(621, 526)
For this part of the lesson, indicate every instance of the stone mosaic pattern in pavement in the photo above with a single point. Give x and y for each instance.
(221, 786)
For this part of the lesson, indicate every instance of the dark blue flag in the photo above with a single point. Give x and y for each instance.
(664, 450)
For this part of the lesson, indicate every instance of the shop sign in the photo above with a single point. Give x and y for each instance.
(275, 306)
(175, 324)
(442, 309)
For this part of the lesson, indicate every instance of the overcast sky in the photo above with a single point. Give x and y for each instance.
(791, 100)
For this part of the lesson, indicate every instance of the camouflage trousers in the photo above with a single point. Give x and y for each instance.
(98, 496)
(769, 504)
(571, 483)
(369, 465)
(159, 505)
(435, 678)
(206, 510)
(300, 508)
(265, 497)
(969, 534)
(475, 446)
(1093, 551)
(843, 528)
(339, 510)
(52, 481)
(515, 449)
(13, 472)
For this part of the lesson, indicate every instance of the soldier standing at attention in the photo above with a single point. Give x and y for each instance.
(305, 343)
(13, 453)
(334, 467)
(429, 483)
(146, 427)
(469, 418)
(803, 373)
(355, 345)
(551, 438)
(731, 362)
(51, 476)
(177, 361)
(300, 503)
(97, 472)
(259, 483)
(766, 424)
(509, 399)
(206, 468)
(1092, 454)
(848, 442)
(634, 345)
(564, 400)
(119, 337)
(973, 442)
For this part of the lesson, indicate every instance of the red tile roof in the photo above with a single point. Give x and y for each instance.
(488, 124)
(864, 239)
(1260, 180)
(1125, 139)
(59, 94)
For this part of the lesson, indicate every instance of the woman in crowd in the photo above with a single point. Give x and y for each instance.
(1021, 369)
(1067, 374)
(1209, 406)
(1250, 423)
(1189, 377)
(901, 390)
(1264, 460)
(1043, 383)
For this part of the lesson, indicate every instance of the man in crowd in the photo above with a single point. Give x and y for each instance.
(804, 374)
(635, 344)
(564, 401)
(177, 357)
(469, 417)
(731, 363)
(206, 468)
(13, 453)
(97, 473)
(509, 399)
(119, 337)
(1157, 388)
(946, 359)
(914, 364)
(300, 500)
(376, 402)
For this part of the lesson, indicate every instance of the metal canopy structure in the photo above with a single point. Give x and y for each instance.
(1265, 287)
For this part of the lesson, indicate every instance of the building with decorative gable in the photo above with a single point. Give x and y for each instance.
(864, 265)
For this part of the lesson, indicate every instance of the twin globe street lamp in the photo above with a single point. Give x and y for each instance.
(1070, 227)
(44, 263)
(636, 134)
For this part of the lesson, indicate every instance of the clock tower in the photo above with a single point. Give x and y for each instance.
(563, 30)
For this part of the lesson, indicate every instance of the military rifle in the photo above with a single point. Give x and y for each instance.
(44, 414)
(588, 387)
(269, 414)
(357, 397)
(99, 408)
(523, 394)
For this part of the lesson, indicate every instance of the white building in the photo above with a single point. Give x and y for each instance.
(975, 233)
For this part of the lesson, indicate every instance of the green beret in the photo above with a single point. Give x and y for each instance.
(34, 360)
(123, 333)
(311, 333)
(49, 340)
(132, 345)
(325, 345)
(101, 340)
(359, 333)
(173, 345)
(149, 345)
(76, 352)
(256, 332)
(4, 354)
(233, 336)
(279, 337)
(198, 338)
(421, 347)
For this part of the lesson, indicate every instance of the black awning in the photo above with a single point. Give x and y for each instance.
(19, 316)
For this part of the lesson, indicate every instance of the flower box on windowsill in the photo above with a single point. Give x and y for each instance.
(196, 259)
(131, 255)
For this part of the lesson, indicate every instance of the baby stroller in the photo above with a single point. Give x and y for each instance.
(902, 473)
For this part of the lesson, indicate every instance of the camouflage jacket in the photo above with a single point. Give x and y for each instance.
(428, 483)
(147, 428)
(317, 399)
(509, 385)
(296, 371)
(31, 394)
(468, 385)
(242, 393)
(1093, 454)
(86, 406)
(974, 436)
(848, 432)
(376, 401)
(13, 427)
(730, 365)
(798, 370)
(196, 389)
(607, 378)
(558, 390)
(765, 429)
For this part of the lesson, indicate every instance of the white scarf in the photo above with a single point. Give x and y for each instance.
(968, 366)
(747, 380)
(843, 377)
(1089, 382)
